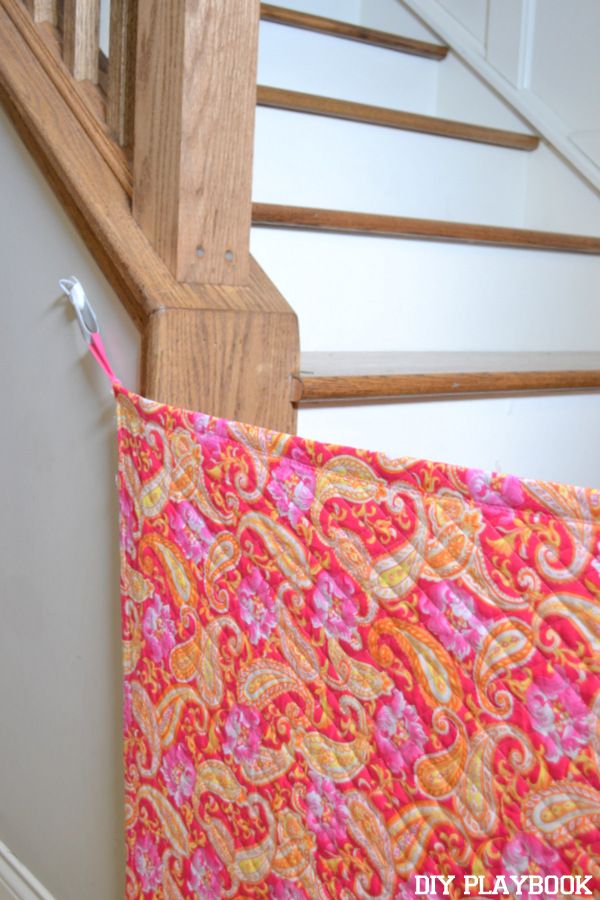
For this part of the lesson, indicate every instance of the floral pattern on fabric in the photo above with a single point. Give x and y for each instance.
(344, 670)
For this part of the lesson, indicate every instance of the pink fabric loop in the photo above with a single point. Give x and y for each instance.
(98, 351)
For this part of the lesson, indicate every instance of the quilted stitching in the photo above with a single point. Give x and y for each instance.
(343, 670)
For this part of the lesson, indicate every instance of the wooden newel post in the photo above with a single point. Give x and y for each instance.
(194, 130)
(227, 341)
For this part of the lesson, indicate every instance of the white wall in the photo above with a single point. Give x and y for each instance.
(543, 55)
(298, 59)
(564, 69)
(104, 25)
(572, 204)
(60, 751)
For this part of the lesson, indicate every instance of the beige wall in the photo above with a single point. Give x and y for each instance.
(60, 773)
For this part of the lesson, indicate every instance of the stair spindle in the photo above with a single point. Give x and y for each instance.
(121, 70)
(81, 27)
(43, 10)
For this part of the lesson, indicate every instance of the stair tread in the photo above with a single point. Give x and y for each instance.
(346, 221)
(298, 101)
(361, 33)
(330, 377)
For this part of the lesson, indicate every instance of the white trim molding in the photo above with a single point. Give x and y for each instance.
(16, 881)
(541, 117)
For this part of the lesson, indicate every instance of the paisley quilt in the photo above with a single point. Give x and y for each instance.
(348, 675)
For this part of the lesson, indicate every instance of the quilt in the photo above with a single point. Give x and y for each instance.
(352, 676)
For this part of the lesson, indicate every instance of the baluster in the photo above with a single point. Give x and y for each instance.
(43, 10)
(121, 69)
(81, 26)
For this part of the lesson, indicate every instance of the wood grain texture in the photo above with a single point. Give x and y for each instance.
(270, 214)
(81, 28)
(297, 101)
(338, 377)
(67, 152)
(194, 132)
(45, 48)
(271, 13)
(72, 151)
(120, 107)
(43, 10)
(219, 354)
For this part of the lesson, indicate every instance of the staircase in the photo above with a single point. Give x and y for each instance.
(457, 350)
(491, 263)
(397, 232)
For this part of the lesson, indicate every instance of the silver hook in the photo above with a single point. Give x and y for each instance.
(86, 316)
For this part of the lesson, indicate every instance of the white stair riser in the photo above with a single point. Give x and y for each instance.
(308, 160)
(369, 293)
(303, 60)
(346, 10)
(547, 437)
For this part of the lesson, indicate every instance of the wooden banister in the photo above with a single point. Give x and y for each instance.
(225, 350)
(81, 28)
(41, 42)
(194, 132)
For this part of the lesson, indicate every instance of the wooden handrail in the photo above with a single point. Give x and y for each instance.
(296, 19)
(343, 377)
(297, 101)
(271, 214)
(42, 44)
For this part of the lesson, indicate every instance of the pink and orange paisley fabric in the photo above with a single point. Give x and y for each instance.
(343, 670)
